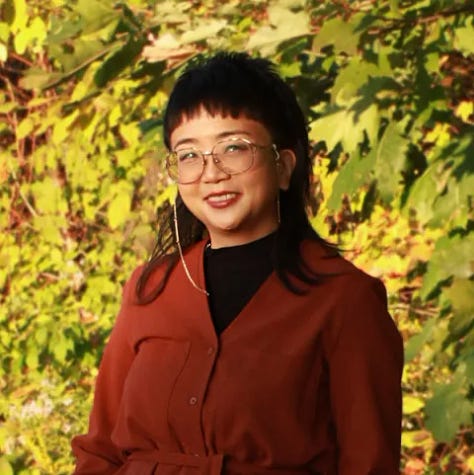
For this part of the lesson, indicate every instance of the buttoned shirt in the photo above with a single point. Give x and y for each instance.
(296, 384)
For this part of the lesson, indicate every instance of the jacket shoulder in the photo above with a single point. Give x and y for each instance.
(327, 261)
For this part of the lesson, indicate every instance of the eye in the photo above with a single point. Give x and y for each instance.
(187, 155)
(235, 147)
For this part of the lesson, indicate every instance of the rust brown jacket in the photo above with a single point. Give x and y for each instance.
(295, 385)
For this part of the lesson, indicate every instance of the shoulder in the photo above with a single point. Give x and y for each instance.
(328, 262)
(358, 301)
(349, 284)
(148, 277)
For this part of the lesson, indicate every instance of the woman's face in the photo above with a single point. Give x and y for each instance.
(238, 208)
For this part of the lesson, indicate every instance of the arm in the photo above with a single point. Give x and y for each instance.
(95, 451)
(365, 368)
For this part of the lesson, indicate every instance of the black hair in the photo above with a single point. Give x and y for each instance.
(235, 84)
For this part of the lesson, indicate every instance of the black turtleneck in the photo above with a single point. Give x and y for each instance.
(233, 275)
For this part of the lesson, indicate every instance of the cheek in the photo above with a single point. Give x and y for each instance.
(263, 185)
(188, 195)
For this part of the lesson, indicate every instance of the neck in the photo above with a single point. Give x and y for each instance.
(229, 240)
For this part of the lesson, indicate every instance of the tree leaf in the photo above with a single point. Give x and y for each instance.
(5, 467)
(350, 79)
(328, 129)
(424, 192)
(3, 52)
(460, 294)
(203, 31)
(116, 62)
(464, 39)
(4, 32)
(447, 410)
(25, 127)
(285, 25)
(412, 404)
(36, 78)
(339, 33)
(417, 438)
(49, 196)
(96, 15)
(454, 205)
(390, 161)
(49, 228)
(452, 256)
(118, 210)
(20, 18)
(415, 343)
(355, 173)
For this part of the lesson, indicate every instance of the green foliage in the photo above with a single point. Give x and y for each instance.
(388, 90)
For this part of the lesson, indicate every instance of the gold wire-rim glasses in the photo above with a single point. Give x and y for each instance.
(172, 158)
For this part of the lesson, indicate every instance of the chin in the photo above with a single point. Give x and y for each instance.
(224, 225)
(229, 227)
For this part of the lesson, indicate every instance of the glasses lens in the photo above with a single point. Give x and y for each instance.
(234, 156)
(231, 156)
(185, 166)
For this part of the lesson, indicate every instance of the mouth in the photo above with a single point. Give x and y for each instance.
(218, 197)
(221, 199)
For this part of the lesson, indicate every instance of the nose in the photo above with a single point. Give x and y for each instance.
(211, 172)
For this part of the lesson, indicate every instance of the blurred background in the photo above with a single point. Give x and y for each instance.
(388, 89)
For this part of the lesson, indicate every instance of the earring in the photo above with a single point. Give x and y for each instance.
(180, 250)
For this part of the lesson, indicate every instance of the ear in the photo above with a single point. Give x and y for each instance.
(285, 165)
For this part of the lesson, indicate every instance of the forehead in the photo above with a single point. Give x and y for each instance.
(204, 127)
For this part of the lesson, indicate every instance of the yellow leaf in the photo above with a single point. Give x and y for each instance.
(115, 115)
(169, 194)
(49, 228)
(118, 210)
(80, 91)
(38, 30)
(412, 404)
(5, 467)
(464, 110)
(421, 252)
(439, 135)
(130, 133)
(3, 52)
(25, 127)
(49, 196)
(22, 40)
(417, 438)
(61, 127)
(470, 463)
(21, 16)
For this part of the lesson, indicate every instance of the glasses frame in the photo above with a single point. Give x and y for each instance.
(171, 158)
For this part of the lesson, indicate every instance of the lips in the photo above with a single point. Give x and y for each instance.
(220, 200)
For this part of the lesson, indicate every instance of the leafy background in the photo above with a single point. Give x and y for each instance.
(388, 88)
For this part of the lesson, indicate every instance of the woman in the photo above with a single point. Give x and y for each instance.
(246, 345)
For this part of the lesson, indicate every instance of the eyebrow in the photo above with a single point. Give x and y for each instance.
(222, 135)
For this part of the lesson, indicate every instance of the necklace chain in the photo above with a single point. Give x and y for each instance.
(180, 250)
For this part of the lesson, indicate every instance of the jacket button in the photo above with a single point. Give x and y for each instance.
(193, 401)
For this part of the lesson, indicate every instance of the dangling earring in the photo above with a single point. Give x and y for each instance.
(181, 256)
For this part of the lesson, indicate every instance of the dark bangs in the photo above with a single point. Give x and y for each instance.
(229, 88)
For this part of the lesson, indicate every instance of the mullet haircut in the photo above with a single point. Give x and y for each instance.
(235, 84)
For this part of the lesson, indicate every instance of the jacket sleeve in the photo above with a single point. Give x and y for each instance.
(365, 368)
(95, 451)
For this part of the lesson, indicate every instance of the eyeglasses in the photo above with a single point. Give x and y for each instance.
(232, 156)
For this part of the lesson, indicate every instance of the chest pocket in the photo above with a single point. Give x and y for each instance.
(150, 384)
